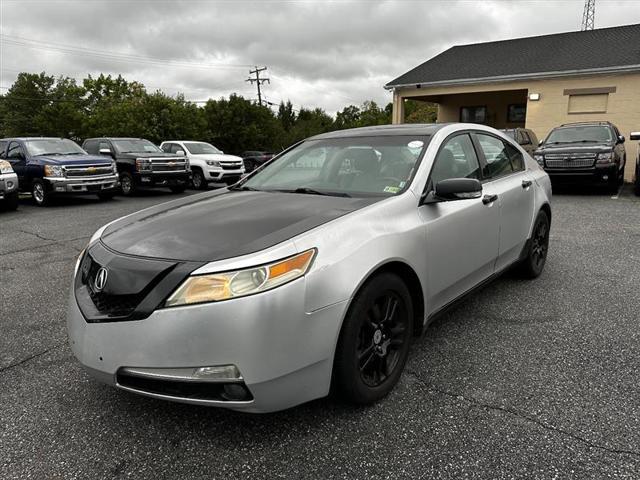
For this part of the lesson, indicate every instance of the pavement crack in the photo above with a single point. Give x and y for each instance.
(522, 416)
(64, 242)
(31, 357)
(37, 235)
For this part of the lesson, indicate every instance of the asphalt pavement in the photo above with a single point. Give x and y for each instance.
(523, 379)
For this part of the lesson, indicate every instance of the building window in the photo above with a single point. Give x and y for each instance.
(473, 114)
(517, 112)
(594, 103)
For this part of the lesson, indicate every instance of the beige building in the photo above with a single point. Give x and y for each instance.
(536, 82)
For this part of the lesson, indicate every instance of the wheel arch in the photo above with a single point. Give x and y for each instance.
(546, 208)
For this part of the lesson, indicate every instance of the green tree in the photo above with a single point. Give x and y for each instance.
(63, 114)
(286, 115)
(349, 117)
(416, 111)
(23, 102)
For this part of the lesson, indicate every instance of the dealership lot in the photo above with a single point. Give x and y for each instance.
(522, 379)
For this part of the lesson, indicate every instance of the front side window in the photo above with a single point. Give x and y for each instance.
(581, 134)
(53, 146)
(456, 159)
(355, 167)
(135, 145)
(201, 148)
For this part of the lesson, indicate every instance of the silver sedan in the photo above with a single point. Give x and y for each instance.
(316, 270)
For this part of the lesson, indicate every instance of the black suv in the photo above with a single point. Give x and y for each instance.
(586, 152)
(142, 164)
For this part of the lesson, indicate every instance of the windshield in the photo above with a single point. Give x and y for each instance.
(53, 146)
(358, 166)
(581, 134)
(201, 148)
(135, 145)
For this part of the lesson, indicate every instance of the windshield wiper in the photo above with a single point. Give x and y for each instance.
(243, 188)
(312, 191)
(48, 153)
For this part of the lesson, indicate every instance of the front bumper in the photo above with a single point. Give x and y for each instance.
(284, 354)
(61, 185)
(220, 176)
(598, 175)
(162, 179)
(8, 184)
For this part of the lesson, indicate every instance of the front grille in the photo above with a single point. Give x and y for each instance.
(572, 160)
(231, 166)
(88, 170)
(178, 164)
(106, 304)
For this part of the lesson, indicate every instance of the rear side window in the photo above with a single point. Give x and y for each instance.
(532, 136)
(456, 159)
(517, 160)
(15, 151)
(498, 162)
(166, 147)
(91, 146)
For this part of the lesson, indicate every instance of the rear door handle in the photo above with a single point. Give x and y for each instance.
(487, 199)
(526, 183)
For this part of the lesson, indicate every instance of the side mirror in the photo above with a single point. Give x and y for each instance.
(105, 151)
(180, 153)
(455, 189)
(621, 139)
(634, 136)
(540, 143)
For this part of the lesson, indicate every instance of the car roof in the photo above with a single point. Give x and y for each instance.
(384, 130)
(115, 138)
(33, 138)
(586, 124)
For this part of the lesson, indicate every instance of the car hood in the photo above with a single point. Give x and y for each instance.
(74, 159)
(218, 157)
(575, 148)
(225, 224)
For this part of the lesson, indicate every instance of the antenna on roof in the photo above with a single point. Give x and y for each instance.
(589, 15)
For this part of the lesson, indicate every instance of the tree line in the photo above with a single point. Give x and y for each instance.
(42, 105)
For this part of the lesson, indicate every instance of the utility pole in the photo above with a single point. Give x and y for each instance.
(589, 15)
(259, 81)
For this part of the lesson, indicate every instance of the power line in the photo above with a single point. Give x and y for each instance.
(107, 55)
(259, 81)
(589, 15)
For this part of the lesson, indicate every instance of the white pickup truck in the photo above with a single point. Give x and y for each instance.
(208, 164)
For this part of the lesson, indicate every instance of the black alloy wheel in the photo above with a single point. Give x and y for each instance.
(533, 265)
(375, 339)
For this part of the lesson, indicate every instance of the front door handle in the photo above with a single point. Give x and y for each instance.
(526, 183)
(487, 199)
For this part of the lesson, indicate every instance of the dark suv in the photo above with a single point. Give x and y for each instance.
(525, 138)
(142, 164)
(587, 152)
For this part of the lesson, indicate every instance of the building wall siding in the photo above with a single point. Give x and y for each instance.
(623, 105)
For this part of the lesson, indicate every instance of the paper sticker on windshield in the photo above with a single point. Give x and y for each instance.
(391, 189)
(415, 144)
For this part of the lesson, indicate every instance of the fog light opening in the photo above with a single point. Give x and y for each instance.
(235, 392)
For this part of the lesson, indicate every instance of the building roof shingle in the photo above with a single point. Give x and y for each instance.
(524, 57)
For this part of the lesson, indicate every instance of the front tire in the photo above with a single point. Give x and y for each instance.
(11, 201)
(374, 341)
(127, 185)
(532, 266)
(39, 193)
(197, 179)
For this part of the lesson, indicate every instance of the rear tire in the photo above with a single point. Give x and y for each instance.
(11, 201)
(374, 341)
(127, 185)
(532, 266)
(178, 189)
(39, 193)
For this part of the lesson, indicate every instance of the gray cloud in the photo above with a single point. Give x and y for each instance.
(321, 53)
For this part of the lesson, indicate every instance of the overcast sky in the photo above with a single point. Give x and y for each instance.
(319, 53)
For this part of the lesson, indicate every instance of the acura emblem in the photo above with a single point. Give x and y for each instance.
(101, 279)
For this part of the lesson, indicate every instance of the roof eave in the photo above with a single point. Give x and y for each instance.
(525, 76)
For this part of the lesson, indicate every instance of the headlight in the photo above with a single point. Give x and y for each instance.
(539, 159)
(53, 171)
(143, 164)
(5, 167)
(213, 163)
(224, 286)
(606, 157)
(114, 167)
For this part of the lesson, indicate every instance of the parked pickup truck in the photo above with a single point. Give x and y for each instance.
(208, 164)
(142, 164)
(48, 167)
(8, 186)
(586, 152)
